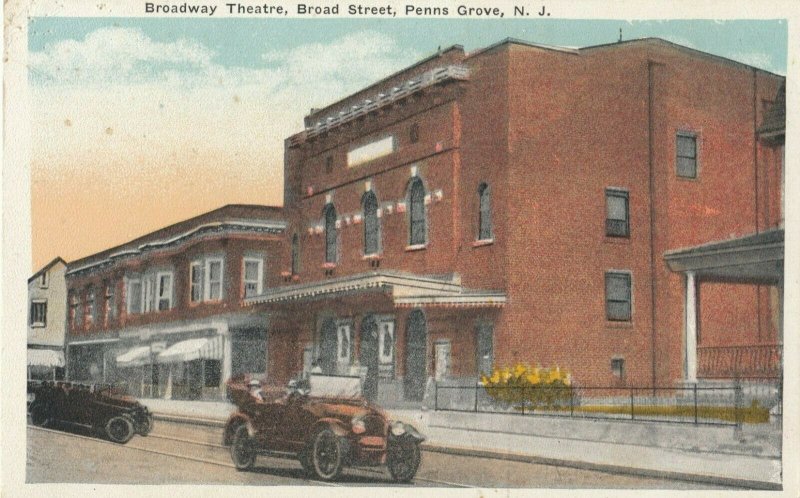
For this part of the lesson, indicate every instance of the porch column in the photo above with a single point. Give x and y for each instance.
(690, 327)
(227, 365)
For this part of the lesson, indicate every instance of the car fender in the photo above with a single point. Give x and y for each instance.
(234, 421)
(333, 424)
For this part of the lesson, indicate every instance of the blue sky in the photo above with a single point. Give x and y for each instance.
(239, 42)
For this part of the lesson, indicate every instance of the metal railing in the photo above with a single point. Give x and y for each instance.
(730, 405)
(743, 362)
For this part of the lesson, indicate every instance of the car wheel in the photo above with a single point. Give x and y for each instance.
(243, 453)
(119, 429)
(327, 455)
(403, 460)
(145, 424)
(40, 414)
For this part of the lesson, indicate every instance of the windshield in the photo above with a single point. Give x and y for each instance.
(335, 386)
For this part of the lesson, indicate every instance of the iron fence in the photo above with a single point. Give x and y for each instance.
(724, 405)
(743, 362)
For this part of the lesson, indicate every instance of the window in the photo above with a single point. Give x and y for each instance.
(253, 276)
(90, 309)
(618, 296)
(196, 282)
(147, 294)
(134, 296)
(386, 343)
(413, 133)
(372, 228)
(164, 291)
(328, 164)
(212, 370)
(371, 151)
(618, 367)
(43, 280)
(416, 199)
(485, 349)
(343, 344)
(110, 306)
(617, 213)
(686, 161)
(484, 213)
(38, 313)
(213, 289)
(295, 254)
(331, 234)
(75, 316)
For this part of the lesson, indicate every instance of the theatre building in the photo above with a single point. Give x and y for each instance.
(515, 204)
(163, 313)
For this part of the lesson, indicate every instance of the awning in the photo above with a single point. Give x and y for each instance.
(205, 348)
(134, 357)
(45, 358)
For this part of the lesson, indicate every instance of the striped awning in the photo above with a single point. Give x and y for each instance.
(47, 358)
(135, 357)
(203, 348)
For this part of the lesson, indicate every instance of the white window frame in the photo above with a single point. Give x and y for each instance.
(260, 275)
(208, 283)
(160, 291)
(200, 270)
(129, 300)
(148, 293)
(38, 324)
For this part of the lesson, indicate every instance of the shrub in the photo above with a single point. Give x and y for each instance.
(526, 387)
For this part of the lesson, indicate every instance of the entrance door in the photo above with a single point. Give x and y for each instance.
(442, 360)
(416, 356)
(368, 356)
(328, 345)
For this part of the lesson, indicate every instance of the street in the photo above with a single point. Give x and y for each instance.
(189, 454)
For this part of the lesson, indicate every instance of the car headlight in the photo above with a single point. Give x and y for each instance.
(398, 428)
(358, 425)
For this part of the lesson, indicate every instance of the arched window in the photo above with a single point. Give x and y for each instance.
(372, 227)
(416, 200)
(295, 254)
(484, 213)
(331, 234)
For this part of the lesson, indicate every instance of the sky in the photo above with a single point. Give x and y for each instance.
(138, 123)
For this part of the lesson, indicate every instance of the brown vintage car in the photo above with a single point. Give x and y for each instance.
(324, 423)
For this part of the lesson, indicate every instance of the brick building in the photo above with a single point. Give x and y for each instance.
(163, 313)
(515, 204)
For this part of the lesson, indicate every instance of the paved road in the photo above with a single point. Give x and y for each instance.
(181, 454)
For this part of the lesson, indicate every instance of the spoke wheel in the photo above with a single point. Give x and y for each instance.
(403, 460)
(119, 429)
(40, 414)
(326, 455)
(243, 453)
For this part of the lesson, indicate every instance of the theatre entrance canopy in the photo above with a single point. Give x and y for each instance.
(755, 259)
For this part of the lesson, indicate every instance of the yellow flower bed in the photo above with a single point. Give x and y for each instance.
(524, 386)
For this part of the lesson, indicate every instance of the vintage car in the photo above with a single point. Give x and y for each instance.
(104, 409)
(325, 423)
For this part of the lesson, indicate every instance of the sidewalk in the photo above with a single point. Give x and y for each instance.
(706, 454)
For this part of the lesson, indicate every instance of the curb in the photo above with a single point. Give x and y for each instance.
(609, 468)
(520, 457)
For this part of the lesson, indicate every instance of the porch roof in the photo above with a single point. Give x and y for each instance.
(755, 258)
(405, 289)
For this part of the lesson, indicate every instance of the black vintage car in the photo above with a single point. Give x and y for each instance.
(325, 424)
(101, 408)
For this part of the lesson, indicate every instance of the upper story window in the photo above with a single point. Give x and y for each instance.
(295, 254)
(110, 306)
(90, 308)
(371, 151)
(253, 276)
(617, 213)
(328, 164)
(75, 314)
(417, 220)
(331, 234)
(134, 296)
(413, 133)
(148, 294)
(686, 160)
(38, 316)
(164, 290)
(43, 280)
(618, 296)
(213, 280)
(196, 282)
(372, 227)
(484, 212)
